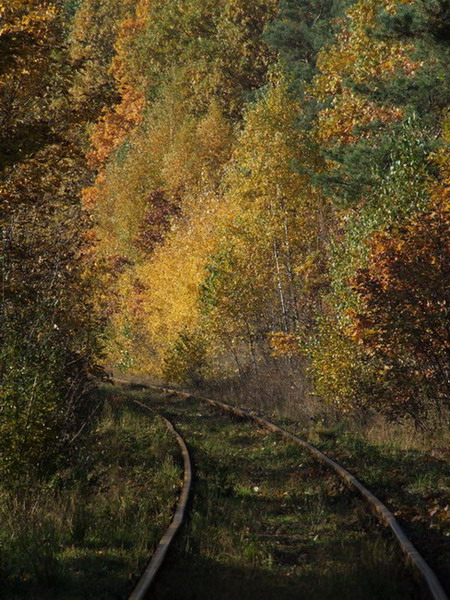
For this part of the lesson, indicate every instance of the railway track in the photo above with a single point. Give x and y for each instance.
(383, 514)
(148, 577)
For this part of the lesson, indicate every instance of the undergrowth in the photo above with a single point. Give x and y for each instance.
(407, 469)
(89, 532)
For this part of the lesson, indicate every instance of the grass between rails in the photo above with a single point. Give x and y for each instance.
(268, 522)
(407, 468)
(90, 532)
(410, 475)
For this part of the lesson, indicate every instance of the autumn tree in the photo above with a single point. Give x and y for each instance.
(402, 321)
(267, 274)
(253, 162)
(161, 165)
(49, 336)
(93, 33)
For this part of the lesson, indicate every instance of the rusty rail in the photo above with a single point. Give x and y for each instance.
(385, 516)
(148, 577)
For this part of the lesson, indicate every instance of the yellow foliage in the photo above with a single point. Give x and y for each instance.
(168, 304)
(92, 37)
(275, 222)
(364, 59)
(116, 122)
(19, 16)
(337, 366)
(182, 157)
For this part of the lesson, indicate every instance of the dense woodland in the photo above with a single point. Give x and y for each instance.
(202, 190)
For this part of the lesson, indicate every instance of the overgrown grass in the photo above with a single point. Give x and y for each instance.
(89, 532)
(268, 522)
(407, 469)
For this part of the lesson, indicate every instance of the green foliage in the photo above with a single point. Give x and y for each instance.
(400, 193)
(426, 91)
(300, 30)
(186, 361)
(418, 92)
(382, 159)
(49, 327)
(380, 178)
(71, 7)
(349, 372)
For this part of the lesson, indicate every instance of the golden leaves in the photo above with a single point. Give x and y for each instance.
(284, 344)
(360, 57)
(116, 122)
(20, 16)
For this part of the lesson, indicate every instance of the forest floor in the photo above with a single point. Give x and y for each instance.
(411, 477)
(406, 467)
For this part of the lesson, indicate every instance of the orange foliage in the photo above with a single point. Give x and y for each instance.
(284, 344)
(118, 121)
(405, 294)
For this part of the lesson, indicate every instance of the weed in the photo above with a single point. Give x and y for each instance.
(97, 525)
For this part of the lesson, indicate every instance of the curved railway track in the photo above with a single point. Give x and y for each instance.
(145, 582)
(384, 515)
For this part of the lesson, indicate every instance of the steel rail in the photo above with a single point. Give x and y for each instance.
(148, 577)
(385, 516)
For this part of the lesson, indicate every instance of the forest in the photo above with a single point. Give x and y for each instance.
(271, 195)
(249, 197)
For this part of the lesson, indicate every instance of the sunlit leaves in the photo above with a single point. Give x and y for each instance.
(403, 319)
(116, 122)
(257, 282)
(93, 35)
(357, 58)
(240, 218)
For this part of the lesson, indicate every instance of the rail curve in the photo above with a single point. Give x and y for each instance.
(146, 581)
(384, 515)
